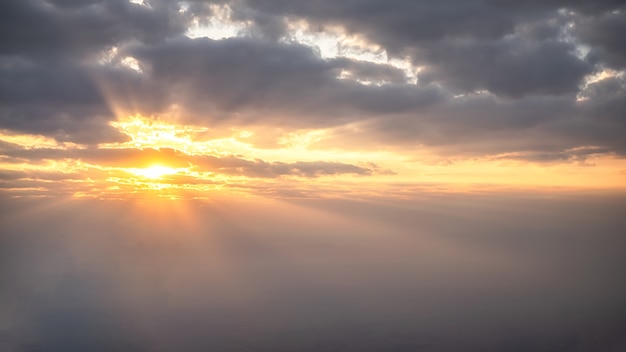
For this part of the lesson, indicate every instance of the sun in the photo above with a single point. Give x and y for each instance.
(155, 172)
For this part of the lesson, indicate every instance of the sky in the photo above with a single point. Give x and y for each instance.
(307, 96)
(272, 175)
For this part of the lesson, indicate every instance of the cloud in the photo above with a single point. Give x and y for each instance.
(259, 168)
(481, 124)
(47, 56)
(54, 98)
(274, 81)
(64, 28)
(492, 76)
(467, 44)
(399, 24)
(508, 68)
(228, 165)
(601, 32)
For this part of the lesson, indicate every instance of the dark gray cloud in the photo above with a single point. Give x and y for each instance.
(602, 33)
(400, 24)
(511, 67)
(52, 28)
(55, 98)
(479, 125)
(404, 24)
(467, 43)
(525, 58)
(47, 54)
(584, 6)
(235, 76)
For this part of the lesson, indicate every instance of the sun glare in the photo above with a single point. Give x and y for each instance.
(155, 172)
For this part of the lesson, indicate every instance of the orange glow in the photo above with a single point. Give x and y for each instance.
(171, 160)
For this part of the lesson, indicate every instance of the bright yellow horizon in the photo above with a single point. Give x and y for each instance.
(170, 157)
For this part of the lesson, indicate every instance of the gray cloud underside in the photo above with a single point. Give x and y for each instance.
(525, 57)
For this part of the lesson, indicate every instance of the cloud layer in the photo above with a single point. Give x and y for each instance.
(514, 67)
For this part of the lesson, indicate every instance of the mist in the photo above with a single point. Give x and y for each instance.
(435, 272)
